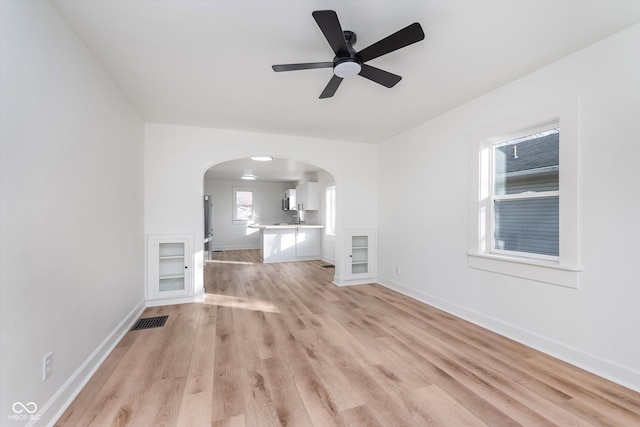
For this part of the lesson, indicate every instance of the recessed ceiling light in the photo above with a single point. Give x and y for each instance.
(248, 175)
(262, 158)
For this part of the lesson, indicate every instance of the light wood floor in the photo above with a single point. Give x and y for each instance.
(278, 344)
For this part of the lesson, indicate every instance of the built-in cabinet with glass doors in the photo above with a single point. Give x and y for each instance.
(360, 254)
(169, 267)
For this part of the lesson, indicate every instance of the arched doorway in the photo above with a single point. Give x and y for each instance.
(227, 226)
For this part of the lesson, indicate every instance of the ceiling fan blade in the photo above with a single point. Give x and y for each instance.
(304, 66)
(331, 87)
(406, 36)
(328, 22)
(379, 76)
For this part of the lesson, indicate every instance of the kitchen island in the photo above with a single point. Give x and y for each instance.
(289, 242)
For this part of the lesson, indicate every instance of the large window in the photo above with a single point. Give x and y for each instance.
(242, 204)
(525, 197)
(330, 211)
(523, 194)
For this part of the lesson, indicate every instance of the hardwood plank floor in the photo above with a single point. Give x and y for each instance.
(280, 345)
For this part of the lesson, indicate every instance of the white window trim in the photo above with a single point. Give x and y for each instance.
(328, 231)
(564, 270)
(234, 205)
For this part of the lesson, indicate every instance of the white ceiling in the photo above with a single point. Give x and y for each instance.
(208, 62)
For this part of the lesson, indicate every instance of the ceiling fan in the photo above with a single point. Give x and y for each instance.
(349, 62)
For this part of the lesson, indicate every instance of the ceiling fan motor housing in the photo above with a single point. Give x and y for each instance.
(350, 38)
(347, 66)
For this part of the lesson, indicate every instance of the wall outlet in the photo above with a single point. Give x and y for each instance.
(47, 365)
(397, 270)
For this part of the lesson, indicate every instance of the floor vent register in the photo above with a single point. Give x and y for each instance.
(150, 322)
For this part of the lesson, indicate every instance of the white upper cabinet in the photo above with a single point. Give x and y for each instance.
(307, 196)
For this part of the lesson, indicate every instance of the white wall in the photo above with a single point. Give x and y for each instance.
(71, 212)
(267, 208)
(423, 177)
(176, 158)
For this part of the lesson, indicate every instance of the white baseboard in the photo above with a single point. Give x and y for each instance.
(60, 401)
(171, 301)
(329, 260)
(235, 248)
(604, 368)
(339, 282)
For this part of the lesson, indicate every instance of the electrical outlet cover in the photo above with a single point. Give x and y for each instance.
(47, 365)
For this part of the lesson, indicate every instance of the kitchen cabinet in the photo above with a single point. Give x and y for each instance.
(360, 254)
(308, 242)
(169, 266)
(277, 245)
(307, 196)
(283, 243)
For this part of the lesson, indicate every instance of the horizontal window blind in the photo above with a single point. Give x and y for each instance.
(528, 225)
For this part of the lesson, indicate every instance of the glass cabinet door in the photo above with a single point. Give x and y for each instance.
(169, 271)
(361, 253)
(171, 267)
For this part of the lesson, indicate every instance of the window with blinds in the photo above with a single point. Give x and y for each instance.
(525, 195)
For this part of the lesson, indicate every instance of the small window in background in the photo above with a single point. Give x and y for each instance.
(242, 204)
(330, 211)
(525, 195)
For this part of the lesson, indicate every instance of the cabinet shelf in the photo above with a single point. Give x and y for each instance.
(171, 257)
(172, 276)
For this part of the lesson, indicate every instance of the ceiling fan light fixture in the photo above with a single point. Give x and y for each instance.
(347, 68)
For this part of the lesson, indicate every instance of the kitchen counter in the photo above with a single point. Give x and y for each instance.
(277, 226)
(289, 242)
